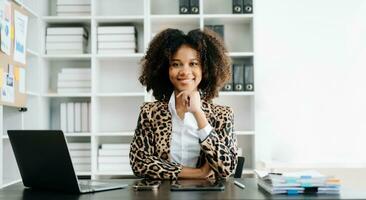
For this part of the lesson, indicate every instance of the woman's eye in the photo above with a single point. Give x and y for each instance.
(175, 65)
(193, 64)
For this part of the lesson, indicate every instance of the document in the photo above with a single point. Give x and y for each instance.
(21, 25)
(7, 91)
(6, 29)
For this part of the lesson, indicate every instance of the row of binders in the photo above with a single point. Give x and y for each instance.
(114, 157)
(242, 6)
(74, 80)
(193, 7)
(302, 182)
(116, 39)
(75, 117)
(73, 7)
(242, 78)
(81, 156)
(66, 40)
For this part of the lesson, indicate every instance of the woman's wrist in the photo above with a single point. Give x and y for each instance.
(201, 119)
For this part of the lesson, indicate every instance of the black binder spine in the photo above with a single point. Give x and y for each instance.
(237, 6)
(229, 85)
(238, 70)
(248, 6)
(195, 6)
(184, 7)
(219, 29)
(249, 78)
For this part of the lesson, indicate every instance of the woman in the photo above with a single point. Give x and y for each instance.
(183, 134)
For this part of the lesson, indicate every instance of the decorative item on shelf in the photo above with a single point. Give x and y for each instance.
(66, 40)
(116, 39)
(248, 6)
(73, 7)
(114, 157)
(75, 117)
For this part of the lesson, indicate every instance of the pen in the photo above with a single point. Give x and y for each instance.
(242, 186)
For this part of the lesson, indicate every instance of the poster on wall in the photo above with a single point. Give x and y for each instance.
(7, 89)
(20, 25)
(6, 29)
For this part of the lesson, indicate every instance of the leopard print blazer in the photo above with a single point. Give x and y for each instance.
(150, 147)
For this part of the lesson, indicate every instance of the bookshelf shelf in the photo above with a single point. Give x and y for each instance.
(32, 52)
(30, 10)
(244, 132)
(124, 133)
(119, 19)
(118, 56)
(241, 54)
(67, 95)
(77, 134)
(123, 94)
(176, 19)
(67, 57)
(5, 137)
(229, 18)
(66, 19)
(32, 93)
(236, 93)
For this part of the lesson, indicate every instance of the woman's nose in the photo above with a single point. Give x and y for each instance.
(185, 69)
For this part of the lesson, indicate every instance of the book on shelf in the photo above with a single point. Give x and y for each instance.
(63, 117)
(80, 167)
(74, 70)
(114, 159)
(116, 37)
(70, 117)
(80, 153)
(81, 159)
(73, 90)
(116, 45)
(72, 8)
(115, 146)
(67, 31)
(308, 181)
(65, 46)
(73, 2)
(116, 30)
(65, 38)
(73, 13)
(59, 51)
(77, 109)
(79, 146)
(109, 152)
(74, 77)
(74, 83)
(116, 51)
(114, 167)
(84, 117)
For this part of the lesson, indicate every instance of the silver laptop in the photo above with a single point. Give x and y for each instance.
(44, 162)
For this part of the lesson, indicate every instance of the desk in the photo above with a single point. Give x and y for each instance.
(17, 191)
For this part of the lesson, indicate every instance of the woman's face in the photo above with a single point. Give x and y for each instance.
(185, 70)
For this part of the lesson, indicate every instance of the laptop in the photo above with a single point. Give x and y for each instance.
(44, 162)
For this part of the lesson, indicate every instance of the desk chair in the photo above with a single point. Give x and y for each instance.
(239, 167)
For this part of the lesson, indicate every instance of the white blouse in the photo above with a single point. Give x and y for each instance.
(185, 139)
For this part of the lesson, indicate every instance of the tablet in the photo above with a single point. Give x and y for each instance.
(197, 185)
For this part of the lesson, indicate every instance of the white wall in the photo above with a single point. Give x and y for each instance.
(311, 81)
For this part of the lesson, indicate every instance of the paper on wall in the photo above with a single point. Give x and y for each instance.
(21, 25)
(6, 29)
(7, 90)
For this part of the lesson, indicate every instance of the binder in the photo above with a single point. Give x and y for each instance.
(238, 73)
(70, 117)
(195, 6)
(219, 29)
(248, 6)
(229, 85)
(63, 117)
(184, 7)
(248, 78)
(237, 6)
(77, 109)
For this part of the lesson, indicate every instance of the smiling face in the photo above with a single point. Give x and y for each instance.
(185, 70)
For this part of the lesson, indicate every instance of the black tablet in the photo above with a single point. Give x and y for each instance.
(197, 185)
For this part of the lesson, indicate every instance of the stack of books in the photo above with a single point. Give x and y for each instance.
(73, 7)
(300, 182)
(81, 156)
(114, 157)
(66, 40)
(116, 39)
(75, 117)
(74, 80)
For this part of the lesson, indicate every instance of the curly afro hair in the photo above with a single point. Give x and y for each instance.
(216, 65)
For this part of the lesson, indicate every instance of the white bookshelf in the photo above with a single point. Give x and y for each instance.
(116, 94)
